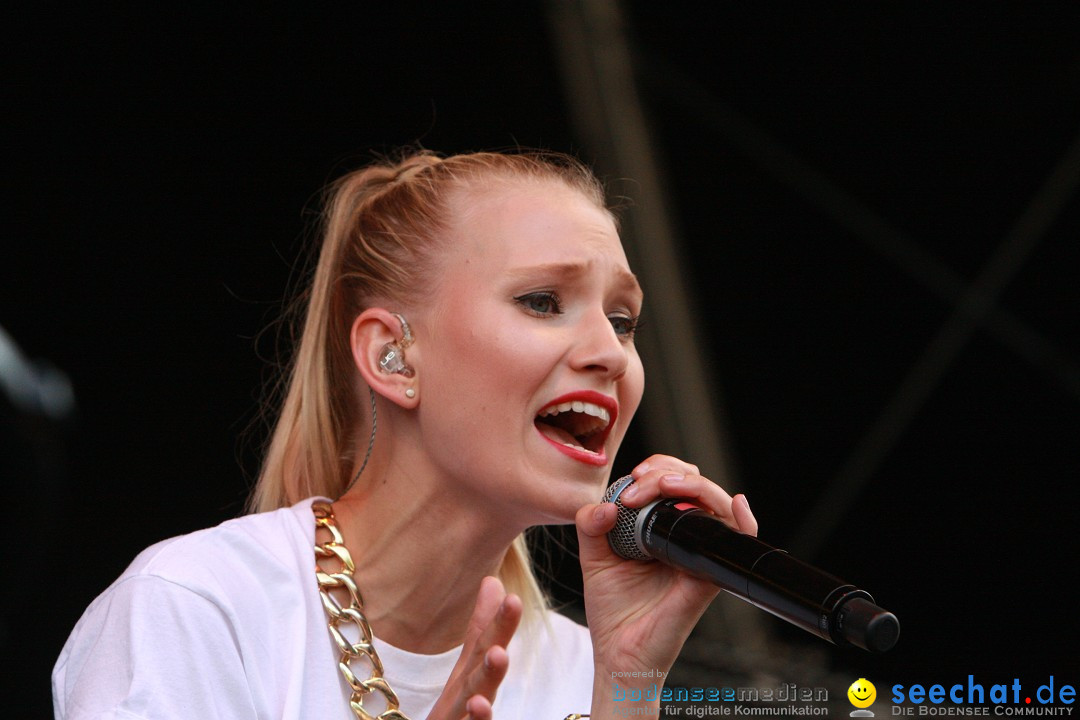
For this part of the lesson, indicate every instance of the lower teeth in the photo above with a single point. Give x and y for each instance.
(578, 447)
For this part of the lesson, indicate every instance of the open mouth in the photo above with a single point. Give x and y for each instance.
(577, 424)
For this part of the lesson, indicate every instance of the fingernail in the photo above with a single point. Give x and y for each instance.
(598, 513)
(630, 491)
(674, 478)
(641, 469)
(487, 660)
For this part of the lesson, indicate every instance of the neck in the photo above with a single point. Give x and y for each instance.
(419, 574)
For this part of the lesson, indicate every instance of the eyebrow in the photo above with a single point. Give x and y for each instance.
(626, 280)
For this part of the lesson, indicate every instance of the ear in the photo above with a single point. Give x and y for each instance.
(372, 331)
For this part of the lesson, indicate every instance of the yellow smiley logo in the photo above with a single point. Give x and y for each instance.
(862, 693)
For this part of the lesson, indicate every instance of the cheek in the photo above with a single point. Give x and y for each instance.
(487, 372)
(505, 354)
(633, 386)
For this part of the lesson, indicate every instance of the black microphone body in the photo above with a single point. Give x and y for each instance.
(680, 534)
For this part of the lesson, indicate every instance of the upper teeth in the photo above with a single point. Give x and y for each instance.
(578, 406)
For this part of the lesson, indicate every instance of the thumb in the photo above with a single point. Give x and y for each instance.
(593, 524)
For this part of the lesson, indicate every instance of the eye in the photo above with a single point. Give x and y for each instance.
(625, 327)
(540, 304)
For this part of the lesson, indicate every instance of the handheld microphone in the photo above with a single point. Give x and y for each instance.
(681, 534)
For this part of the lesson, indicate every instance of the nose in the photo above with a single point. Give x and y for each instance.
(598, 349)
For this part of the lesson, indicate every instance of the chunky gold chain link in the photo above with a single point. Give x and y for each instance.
(348, 620)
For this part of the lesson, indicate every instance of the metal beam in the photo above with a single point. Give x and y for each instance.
(680, 408)
(969, 311)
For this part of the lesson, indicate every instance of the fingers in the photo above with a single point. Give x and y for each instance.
(663, 464)
(665, 476)
(504, 622)
(484, 661)
(484, 683)
(478, 708)
(658, 472)
(488, 601)
(744, 518)
(492, 660)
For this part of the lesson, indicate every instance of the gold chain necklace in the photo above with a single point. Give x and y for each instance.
(340, 616)
(342, 581)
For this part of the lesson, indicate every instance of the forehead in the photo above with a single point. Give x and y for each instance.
(509, 224)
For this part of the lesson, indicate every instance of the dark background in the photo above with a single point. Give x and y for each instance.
(839, 174)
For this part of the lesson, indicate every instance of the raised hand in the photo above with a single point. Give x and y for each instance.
(483, 663)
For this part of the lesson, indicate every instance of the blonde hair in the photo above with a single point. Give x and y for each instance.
(382, 226)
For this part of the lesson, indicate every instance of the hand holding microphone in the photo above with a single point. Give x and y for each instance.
(640, 614)
(679, 533)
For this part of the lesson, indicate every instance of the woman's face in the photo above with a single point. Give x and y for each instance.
(529, 371)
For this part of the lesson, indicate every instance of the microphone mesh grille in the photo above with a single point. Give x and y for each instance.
(622, 537)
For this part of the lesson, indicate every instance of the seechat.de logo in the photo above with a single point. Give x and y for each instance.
(862, 694)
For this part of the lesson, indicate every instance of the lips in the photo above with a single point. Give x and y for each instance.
(579, 424)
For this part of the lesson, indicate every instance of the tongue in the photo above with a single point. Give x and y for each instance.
(557, 434)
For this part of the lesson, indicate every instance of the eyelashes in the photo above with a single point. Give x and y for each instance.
(625, 326)
(540, 304)
(547, 303)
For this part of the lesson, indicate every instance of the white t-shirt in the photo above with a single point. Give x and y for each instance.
(227, 623)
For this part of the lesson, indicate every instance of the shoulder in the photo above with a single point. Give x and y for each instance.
(245, 563)
(214, 594)
(243, 549)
